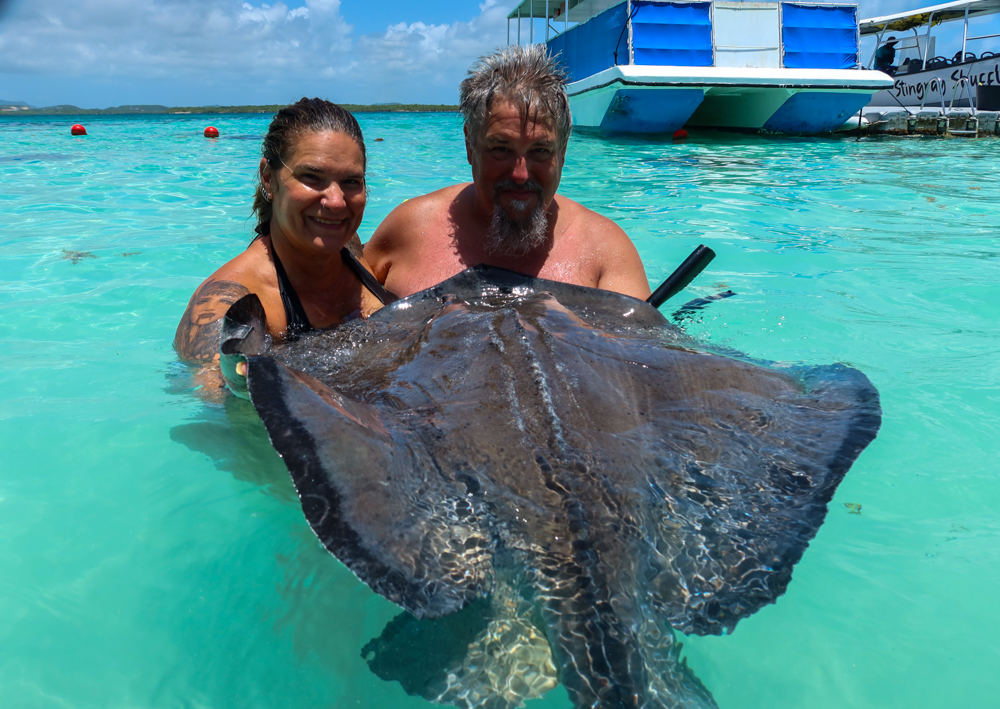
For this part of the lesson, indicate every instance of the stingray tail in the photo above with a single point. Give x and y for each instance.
(613, 653)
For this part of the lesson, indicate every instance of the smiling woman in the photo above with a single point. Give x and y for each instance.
(305, 264)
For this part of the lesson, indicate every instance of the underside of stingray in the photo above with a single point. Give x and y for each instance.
(575, 473)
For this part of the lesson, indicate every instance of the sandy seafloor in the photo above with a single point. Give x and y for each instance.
(149, 559)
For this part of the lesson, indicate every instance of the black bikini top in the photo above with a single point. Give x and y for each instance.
(295, 314)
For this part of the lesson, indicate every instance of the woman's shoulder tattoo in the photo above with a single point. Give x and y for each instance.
(200, 330)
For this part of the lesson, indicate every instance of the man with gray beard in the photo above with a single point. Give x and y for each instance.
(517, 125)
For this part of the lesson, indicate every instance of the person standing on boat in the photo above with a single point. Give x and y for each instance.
(517, 125)
(885, 56)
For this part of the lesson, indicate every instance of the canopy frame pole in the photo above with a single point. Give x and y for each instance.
(878, 43)
(518, 25)
(857, 41)
(547, 20)
(965, 32)
(628, 19)
(927, 40)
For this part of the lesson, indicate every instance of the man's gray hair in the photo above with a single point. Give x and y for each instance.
(528, 77)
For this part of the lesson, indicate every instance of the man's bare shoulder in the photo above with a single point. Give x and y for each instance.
(416, 210)
(619, 267)
(586, 222)
(401, 235)
(445, 195)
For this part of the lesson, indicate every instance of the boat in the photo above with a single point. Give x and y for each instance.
(922, 76)
(641, 66)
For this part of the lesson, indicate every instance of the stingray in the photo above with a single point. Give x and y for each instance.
(554, 477)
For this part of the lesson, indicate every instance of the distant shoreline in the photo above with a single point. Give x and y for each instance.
(67, 110)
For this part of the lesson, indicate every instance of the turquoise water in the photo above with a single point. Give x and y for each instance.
(153, 556)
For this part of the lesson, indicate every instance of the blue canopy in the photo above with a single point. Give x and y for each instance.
(819, 36)
(672, 33)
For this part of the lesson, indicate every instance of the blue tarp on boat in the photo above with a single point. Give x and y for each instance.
(819, 36)
(672, 33)
(590, 47)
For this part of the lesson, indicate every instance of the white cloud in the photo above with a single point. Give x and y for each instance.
(249, 46)
(152, 38)
(436, 53)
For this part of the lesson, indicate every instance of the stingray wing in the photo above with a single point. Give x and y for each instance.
(378, 503)
(767, 492)
(727, 466)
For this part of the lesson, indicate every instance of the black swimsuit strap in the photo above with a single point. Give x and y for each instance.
(367, 279)
(295, 314)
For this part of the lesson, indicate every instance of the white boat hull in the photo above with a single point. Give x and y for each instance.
(657, 99)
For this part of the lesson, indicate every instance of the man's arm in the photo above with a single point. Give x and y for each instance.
(199, 333)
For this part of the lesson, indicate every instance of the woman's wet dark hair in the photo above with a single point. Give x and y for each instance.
(309, 115)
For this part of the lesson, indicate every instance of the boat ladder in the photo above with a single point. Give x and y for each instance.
(973, 121)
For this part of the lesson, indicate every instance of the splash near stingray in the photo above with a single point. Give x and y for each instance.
(563, 464)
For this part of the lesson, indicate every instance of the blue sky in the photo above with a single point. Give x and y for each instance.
(99, 53)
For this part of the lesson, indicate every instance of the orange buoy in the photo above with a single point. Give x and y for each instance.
(78, 130)
(680, 134)
(211, 132)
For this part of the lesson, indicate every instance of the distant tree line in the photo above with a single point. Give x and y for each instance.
(68, 110)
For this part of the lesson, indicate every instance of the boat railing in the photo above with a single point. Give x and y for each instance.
(963, 83)
(961, 57)
(939, 86)
(982, 36)
(933, 86)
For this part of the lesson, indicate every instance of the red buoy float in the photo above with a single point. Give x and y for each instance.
(78, 130)
(680, 134)
(211, 132)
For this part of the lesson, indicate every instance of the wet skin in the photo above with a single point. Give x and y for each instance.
(428, 239)
(319, 198)
(511, 149)
(318, 202)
